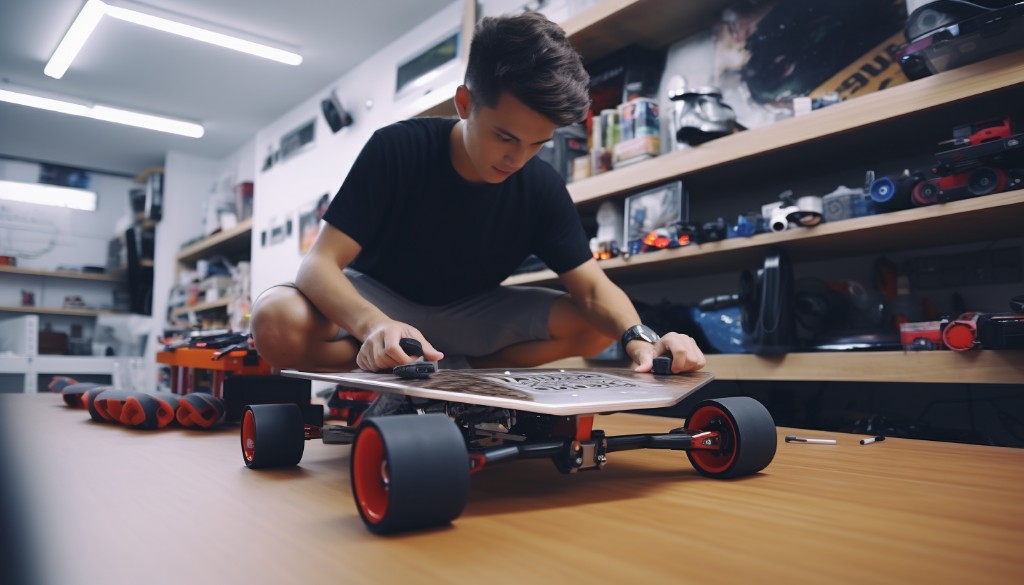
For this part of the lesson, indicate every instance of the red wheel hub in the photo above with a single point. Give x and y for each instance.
(369, 474)
(714, 419)
(249, 435)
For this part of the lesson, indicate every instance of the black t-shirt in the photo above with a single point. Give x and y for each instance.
(434, 238)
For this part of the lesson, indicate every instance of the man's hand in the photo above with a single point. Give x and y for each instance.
(380, 350)
(686, 356)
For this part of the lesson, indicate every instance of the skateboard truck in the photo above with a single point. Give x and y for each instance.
(418, 370)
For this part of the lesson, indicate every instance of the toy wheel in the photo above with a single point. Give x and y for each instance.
(273, 435)
(985, 181)
(748, 435)
(409, 472)
(925, 193)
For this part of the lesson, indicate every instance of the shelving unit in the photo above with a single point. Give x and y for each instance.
(202, 307)
(58, 275)
(56, 311)
(821, 129)
(916, 113)
(993, 216)
(62, 275)
(234, 244)
(933, 367)
(227, 242)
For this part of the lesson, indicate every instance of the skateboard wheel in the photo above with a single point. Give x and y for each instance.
(749, 439)
(409, 472)
(273, 435)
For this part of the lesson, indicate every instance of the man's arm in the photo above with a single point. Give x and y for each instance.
(608, 308)
(321, 279)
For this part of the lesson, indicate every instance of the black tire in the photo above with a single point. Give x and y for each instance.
(273, 435)
(749, 439)
(409, 472)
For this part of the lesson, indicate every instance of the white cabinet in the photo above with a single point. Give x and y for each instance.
(21, 365)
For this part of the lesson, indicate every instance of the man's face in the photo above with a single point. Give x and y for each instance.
(500, 140)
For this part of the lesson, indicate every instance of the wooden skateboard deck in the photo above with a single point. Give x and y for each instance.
(565, 392)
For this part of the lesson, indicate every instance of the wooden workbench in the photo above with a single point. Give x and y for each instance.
(116, 506)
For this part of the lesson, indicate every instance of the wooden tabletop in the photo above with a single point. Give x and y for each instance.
(112, 505)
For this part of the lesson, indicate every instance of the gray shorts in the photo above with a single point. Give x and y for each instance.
(471, 327)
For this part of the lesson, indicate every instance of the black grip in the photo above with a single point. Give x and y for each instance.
(415, 370)
(662, 365)
(411, 347)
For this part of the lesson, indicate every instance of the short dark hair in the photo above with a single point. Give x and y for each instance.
(530, 57)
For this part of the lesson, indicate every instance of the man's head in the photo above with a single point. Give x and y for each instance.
(529, 57)
(523, 81)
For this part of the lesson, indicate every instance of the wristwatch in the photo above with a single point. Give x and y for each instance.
(640, 331)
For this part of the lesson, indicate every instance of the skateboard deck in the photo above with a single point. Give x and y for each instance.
(565, 392)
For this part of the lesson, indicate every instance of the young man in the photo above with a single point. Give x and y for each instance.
(436, 213)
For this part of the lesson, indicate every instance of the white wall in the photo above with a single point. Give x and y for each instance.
(47, 238)
(295, 184)
(187, 181)
(78, 237)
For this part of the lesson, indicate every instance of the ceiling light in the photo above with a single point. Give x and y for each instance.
(73, 40)
(105, 113)
(149, 19)
(48, 195)
(94, 10)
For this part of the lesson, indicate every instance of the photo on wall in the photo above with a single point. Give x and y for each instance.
(279, 230)
(309, 222)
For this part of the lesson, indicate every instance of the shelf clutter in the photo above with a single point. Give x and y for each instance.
(954, 126)
(213, 284)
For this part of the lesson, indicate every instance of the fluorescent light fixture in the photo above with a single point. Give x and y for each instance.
(95, 10)
(105, 113)
(48, 195)
(204, 35)
(76, 36)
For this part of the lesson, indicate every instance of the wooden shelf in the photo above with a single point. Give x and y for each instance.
(611, 25)
(443, 109)
(939, 367)
(56, 311)
(834, 122)
(201, 307)
(60, 274)
(982, 218)
(223, 242)
(142, 177)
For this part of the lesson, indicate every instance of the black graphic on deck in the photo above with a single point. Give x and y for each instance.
(524, 385)
(564, 381)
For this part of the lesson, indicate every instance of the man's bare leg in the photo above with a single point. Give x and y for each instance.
(289, 332)
(571, 335)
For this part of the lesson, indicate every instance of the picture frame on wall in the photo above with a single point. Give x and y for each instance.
(654, 208)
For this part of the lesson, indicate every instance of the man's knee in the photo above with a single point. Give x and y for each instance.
(280, 325)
